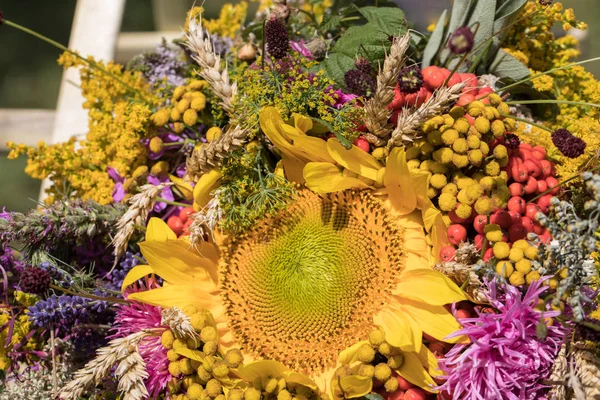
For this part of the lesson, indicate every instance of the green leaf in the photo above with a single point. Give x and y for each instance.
(435, 41)
(506, 12)
(336, 65)
(330, 22)
(391, 20)
(505, 65)
(316, 2)
(374, 396)
(460, 13)
(367, 40)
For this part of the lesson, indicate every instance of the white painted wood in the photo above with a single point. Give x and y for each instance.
(94, 32)
(27, 126)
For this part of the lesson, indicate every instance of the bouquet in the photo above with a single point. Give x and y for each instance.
(317, 202)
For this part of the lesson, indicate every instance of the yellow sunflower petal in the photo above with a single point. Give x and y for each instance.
(185, 188)
(137, 272)
(428, 286)
(413, 371)
(271, 368)
(324, 177)
(399, 330)
(433, 320)
(356, 160)
(178, 296)
(300, 379)
(312, 148)
(177, 263)
(191, 354)
(430, 362)
(303, 123)
(206, 184)
(158, 231)
(355, 386)
(349, 355)
(397, 182)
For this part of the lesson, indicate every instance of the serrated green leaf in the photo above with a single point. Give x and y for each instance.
(505, 65)
(336, 65)
(330, 22)
(435, 41)
(368, 40)
(389, 19)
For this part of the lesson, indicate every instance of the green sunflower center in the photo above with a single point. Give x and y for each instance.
(304, 285)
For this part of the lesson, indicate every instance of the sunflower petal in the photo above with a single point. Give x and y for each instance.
(355, 386)
(399, 330)
(300, 379)
(137, 272)
(433, 320)
(178, 296)
(191, 354)
(185, 188)
(412, 370)
(158, 231)
(302, 123)
(397, 182)
(323, 177)
(177, 263)
(348, 356)
(356, 160)
(206, 184)
(430, 362)
(428, 286)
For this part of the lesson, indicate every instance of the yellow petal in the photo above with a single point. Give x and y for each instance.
(177, 263)
(303, 123)
(205, 185)
(271, 124)
(300, 379)
(399, 330)
(355, 386)
(413, 371)
(178, 296)
(430, 362)
(397, 182)
(349, 355)
(433, 320)
(311, 148)
(137, 272)
(428, 286)
(324, 177)
(191, 354)
(158, 231)
(185, 188)
(439, 237)
(208, 251)
(356, 160)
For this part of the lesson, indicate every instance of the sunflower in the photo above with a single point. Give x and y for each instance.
(301, 287)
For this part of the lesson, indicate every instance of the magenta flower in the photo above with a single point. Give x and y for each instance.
(133, 318)
(300, 47)
(505, 359)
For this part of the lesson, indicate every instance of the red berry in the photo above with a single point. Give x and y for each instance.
(547, 168)
(457, 234)
(185, 213)
(542, 186)
(517, 204)
(483, 95)
(525, 145)
(516, 189)
(447, 253)
(553, 184)
(531, 210)
(520, 173)
(465, 99)
(426, 72)
(478, 241)
(415, 393)
(516, 232)
(398, 99)
(531, 185)
(453, 80)
(403, 384)
(502, 218)
(538, 229)
(515, 217)
(527, 224)
(534, 167)
(397, 395)
(436, 80)
(479, 223)
(470, 119)
(545, 237)
(429, 95)
(487, 256)
(463, 314)
(362, 144)
(544, 203)
(174, 222)
(539, 152)
(455, 218)
(394, 117)
(471, 83)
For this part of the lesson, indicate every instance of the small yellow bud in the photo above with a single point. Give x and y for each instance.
(174, 369)
(450, 188)
(516, 278)
(161, 167)
(450, 136)
(413, 152)
(220, 369)
(197, 84)
(460, 160)
(178, 127)
(532, 276)
(463, 211)
(234, 358)
(198, 103)
(504, 268)
(235, 394)
(531, 252)
(395, 361)
(161, 117)
(167, 339)
(140, 171)
(497, 128)
(213, 133)
(214, 388)
(182, 105)
(385, 349)
(521, 244)
(380, 153)
(252, 394)
(190, 117)
(382, 372)
(482, 125)
(210, 347)
(178, 92)
(447, 202)
(366, 370)
(156, 144)
(366, 354)
(175, 115)
(208, 333)
(185, 366)
(438, 181)
(523, 266)
(391, 385)
(194, 392)
(515, 254)
(501, 250)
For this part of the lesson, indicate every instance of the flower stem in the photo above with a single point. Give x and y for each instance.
(88, 296)
(171, 203)
(64, 48)
(528, 122)
(577, 103)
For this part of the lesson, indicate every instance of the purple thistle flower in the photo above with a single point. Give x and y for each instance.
(569, 145)
(133, 318)
(505, 358)
(461, 40)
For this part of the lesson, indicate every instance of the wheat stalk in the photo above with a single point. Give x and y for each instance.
(100, 367)
(131, 373)
(206, 220)
(376, 112)
(180, 324)
(409, 122)
(140, 205)
(211, 69)
(210, 155)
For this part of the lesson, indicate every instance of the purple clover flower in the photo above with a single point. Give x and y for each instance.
(166, 193)
(505, 359)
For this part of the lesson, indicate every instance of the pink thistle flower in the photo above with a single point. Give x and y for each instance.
(505, 359)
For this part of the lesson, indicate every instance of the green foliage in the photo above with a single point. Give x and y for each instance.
(250, 190)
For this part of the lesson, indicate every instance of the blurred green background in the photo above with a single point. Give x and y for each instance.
(30, 78)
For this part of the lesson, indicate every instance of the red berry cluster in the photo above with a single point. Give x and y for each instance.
(180, 224)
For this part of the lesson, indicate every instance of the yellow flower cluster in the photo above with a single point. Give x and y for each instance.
(533, 43)
(186, 104)
(118, 115)
(515, 264)
(22, 327)
(459, 139)
(230, 21)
